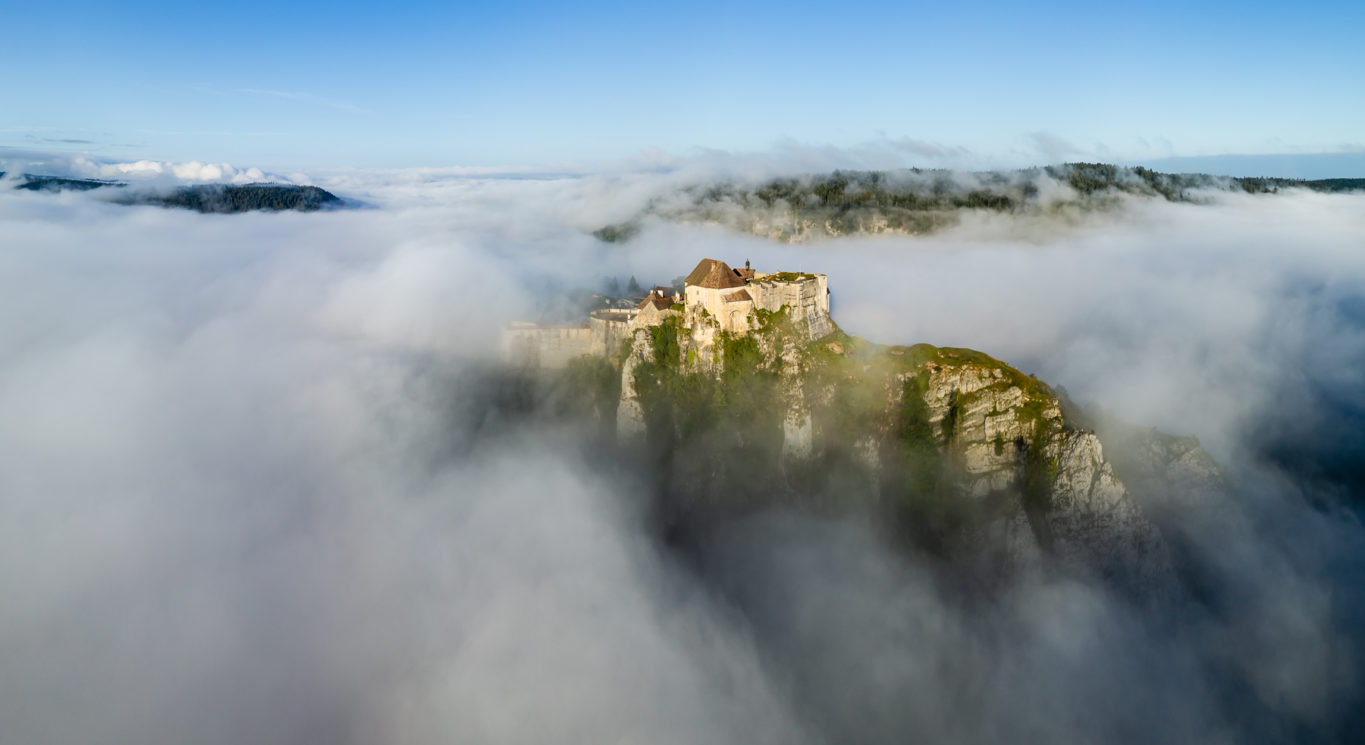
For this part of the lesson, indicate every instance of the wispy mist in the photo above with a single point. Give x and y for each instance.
(248, 492)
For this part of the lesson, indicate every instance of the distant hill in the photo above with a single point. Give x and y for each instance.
(217, 198)
(29, 182)
(917, 201)
(224, 198)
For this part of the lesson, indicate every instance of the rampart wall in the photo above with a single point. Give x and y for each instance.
(536, 345)
(609, 328)
(531, 345)
(808, 299)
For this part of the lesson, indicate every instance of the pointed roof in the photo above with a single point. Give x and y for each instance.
(714, 275)
(658, 301)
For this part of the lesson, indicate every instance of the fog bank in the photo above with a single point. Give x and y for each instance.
(248, 493)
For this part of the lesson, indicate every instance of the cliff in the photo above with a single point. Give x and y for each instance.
(957, 452)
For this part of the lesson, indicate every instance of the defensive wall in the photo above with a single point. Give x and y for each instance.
(552, 346)
(806, 297)
(537, 345)
(609, 327)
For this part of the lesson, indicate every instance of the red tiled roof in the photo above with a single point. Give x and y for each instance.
(661, 303)
(739, 297)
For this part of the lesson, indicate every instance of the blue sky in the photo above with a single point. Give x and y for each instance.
(302, 84)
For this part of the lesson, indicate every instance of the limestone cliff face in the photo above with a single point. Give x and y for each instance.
(630, 417)
(1088, 515)
(1094, 518)
(797, 426)
(947, 440)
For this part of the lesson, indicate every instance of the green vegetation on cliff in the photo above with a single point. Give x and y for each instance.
(919, 478)
(721, 429)
(880, 396)
(737, 422)
(593, 387)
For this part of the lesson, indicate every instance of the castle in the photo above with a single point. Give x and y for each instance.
(715, 298)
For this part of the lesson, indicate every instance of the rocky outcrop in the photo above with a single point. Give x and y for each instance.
(1090, 518)
(989, 424)
(1035, 487)
(797, 428)
(1093, 518)
(1165, 466)
(630, 416)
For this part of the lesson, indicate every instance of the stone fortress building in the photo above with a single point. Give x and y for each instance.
(715, 298)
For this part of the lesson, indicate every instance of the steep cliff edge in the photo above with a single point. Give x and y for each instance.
(959, 452)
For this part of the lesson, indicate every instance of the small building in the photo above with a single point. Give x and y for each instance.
(655, 307)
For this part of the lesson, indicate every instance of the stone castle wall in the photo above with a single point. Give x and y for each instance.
(609, 328)
(710, 299)
(807, 299)
(535, 345)
(531, 345)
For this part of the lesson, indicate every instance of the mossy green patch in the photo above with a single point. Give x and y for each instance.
(784, 277)
(665, 338)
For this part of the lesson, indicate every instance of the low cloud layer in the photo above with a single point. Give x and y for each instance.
(143, 171)
(243, 498)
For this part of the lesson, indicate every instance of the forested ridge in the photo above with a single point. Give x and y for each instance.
(217, 198)
(919, 201)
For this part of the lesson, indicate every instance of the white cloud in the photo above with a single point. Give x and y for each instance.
(144, 171)
(191, 172)
(242, 497)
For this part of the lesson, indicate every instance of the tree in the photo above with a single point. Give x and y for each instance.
(633, 287)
